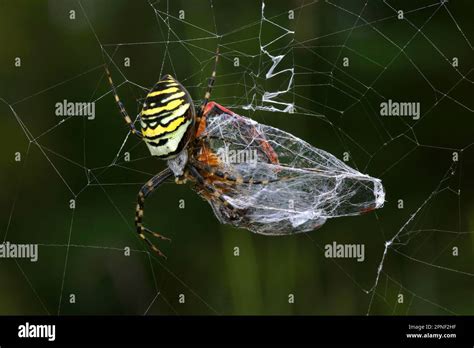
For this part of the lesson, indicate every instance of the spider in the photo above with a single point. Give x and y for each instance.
(171, 127)
(292, 186)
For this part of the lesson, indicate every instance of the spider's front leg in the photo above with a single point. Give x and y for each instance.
(121, 107)
(147, 189)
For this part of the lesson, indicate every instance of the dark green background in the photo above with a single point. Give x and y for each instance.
(62, 59)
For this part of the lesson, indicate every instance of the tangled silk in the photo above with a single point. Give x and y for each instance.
(306, 186)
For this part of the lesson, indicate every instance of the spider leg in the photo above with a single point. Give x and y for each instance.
(147, 189)
(122, 109)
(200, 120)
(211, 189)
(238, 179)
(252, 131)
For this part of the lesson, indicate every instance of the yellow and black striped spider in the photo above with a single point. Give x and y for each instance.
(254, 176)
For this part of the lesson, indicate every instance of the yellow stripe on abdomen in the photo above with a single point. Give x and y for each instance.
(168, 107)
(180, 111)
(173, 96)
(163, 91)
(148, 133)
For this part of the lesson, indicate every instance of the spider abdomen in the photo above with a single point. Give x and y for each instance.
(167, 118)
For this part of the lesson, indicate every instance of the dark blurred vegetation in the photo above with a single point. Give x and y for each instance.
(62, 59)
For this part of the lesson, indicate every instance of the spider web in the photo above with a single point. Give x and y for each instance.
(282, 71)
